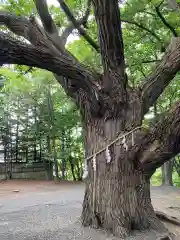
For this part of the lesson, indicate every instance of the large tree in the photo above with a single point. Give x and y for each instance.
(117, 195)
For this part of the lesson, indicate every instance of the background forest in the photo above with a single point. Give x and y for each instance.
(39, 122)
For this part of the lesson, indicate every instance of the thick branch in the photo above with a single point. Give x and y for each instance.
(30, 30)
(77, 26)
(16, 52)
(76, 77)
(52, 31)
(107, 15)
(49, 24)
(165, 22)
(162, 75)
(13, 51)
(71, 85)
(20, 26)
(46, 52)
(162, 143)
(46, 18)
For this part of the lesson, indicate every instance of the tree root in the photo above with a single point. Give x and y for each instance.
(167, 218)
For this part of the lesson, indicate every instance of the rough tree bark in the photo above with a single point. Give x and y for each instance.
(117, 196)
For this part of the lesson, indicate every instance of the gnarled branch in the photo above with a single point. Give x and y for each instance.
(162, 143)
(70, 86)
(49, 24)
(45, 53)
(29, 29)
(159, 79)
(14, 51)
(21, 26)
(76, 25)
(71, 27)
(46, 18)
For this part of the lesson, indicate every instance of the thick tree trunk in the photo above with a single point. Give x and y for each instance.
(117, 196)
(167, 169)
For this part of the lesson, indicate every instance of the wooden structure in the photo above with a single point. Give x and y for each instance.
(23, 168)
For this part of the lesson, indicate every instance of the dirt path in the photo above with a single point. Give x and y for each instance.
(47, 210)
(166, 200)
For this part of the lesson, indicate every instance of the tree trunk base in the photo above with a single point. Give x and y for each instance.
(120, 210)
(152, 228)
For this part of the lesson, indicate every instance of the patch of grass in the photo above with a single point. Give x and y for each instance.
(176, 179)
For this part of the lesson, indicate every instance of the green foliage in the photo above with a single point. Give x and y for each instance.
(156, 179)
(38, 107)
(176, 179)
(84, 54)
(20, 7)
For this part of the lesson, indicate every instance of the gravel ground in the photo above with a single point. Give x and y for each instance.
(48, 215)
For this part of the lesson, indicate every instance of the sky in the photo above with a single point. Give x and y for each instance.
(53, 2)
